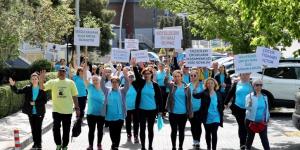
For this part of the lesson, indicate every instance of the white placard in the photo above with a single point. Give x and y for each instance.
(131, 44)
(176, 27)
(169, 38)
(246, 63)
(180, 50)
(141, 56)
(198, 57)
(120, 55)
(268, 57)
(86, 36)
(52, 51)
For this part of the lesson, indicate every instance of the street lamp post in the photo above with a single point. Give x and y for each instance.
(121, 22)
(77, 25)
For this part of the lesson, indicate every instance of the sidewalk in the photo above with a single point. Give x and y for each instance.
(20, 121)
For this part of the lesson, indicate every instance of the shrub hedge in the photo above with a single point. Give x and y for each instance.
(11, 102)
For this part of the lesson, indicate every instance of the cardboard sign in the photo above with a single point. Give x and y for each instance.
(86, 36)
(120, 55)
(198, 57)
(169, 38)
(176, 27)
(131, 44)
(268, 57)
(247, 63)
(141, 56)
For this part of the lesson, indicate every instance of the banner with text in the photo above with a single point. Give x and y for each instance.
(268, 57)
(198, 57)
(169, 38)
(86, 36)
(247, 63)
(141, 56)
(53, 52)
(178, 28)
(131, 44)
(120, 55)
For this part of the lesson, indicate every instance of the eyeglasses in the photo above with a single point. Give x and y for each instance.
(257, 85)
(193, 75)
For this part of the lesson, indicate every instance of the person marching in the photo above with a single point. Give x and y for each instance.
(114, 108)
(196, 105)
(224, 81)
(95, 107)
(64, 95)
(147, 102)
(238, 93)
(179, 106)
(34, 106)
(132, 113)
(211, 111)
(257, 112)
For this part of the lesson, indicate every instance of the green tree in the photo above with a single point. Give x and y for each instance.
(245, 24)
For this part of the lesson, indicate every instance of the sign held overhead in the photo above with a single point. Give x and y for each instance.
(131, 44)
(86, 36)
(198, 57)
(247, 63)
(169, 38)
(120, 55)
(268, 57)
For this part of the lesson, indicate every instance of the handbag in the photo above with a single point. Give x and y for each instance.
(257, 127)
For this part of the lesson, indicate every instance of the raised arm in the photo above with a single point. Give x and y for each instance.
(86, 80)
(135, 70)
(102, 81)
(14, 88)
(126, 85)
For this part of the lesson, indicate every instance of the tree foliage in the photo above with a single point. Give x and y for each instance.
(243, 23)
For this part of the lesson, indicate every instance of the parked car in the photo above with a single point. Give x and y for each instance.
(296, 114)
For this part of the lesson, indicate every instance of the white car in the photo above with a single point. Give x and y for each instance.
(281, 84)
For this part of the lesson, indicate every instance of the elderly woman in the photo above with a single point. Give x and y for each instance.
(257, 112)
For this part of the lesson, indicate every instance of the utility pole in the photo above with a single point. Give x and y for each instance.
(77, 25)
(121, 22)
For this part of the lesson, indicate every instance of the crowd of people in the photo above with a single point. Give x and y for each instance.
(136, 93)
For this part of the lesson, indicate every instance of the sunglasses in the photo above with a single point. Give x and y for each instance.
(193, 75)
(257, 85)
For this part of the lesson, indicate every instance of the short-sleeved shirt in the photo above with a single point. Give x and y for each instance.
(186, 78)
(213, 115)
(179, 101)
(114, 107)
(260, 111)
(80, 85)
(196, 103)
(95, 100)
(35, 93)
(242, 90)
(131, 98)
(62, 92)
(148, 97)
(222, 80)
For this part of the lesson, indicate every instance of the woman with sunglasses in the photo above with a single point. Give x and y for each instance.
(224, 81)
(34, 106)
(237, 94)
(196, 104)
(257, 111)
(114, 108)
(179, 106)
(147, 102)
(95, 106)
(211, 111)
(132, 113)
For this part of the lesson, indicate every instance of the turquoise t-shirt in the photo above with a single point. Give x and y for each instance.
(242, 90)
(213, 115)
(114, 106)
(148, 97)
(95, 100)
(179, 101)
(222, 79)
(80, 86)
(35, 93)
(186, 78)
(260, 111)
(196, 103)
(206, 74)
(130, 98)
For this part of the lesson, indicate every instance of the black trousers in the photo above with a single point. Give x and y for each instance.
(65, 120)
(177, 122)
(196, 126)
(115, 128)
(250, 137)
(211, 135)
(82, 105)
(147, 116)
(92, 122)
(36, 122)
(132, 116)
(240, 116)
(164, 95)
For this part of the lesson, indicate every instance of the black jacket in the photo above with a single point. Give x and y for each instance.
(139, 84)
(205, 102)
(40, 102)
(227, 81)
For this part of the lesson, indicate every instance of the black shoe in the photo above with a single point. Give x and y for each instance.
(150, 148)
(174, 148)
(180, 148)
(143, 148)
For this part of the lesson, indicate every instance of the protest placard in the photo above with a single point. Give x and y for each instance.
(52, 52)
(176, 27)
(268, 57)
(86, 36)
(198, 57)
(120, 55)
(246, 63)
(141, 55)
(131, 44)
(169, 38)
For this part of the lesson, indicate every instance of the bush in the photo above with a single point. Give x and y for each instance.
(17, 74)
(41, 64)
(11, 102)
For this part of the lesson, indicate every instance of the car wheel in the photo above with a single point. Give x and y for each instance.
(270, 98)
